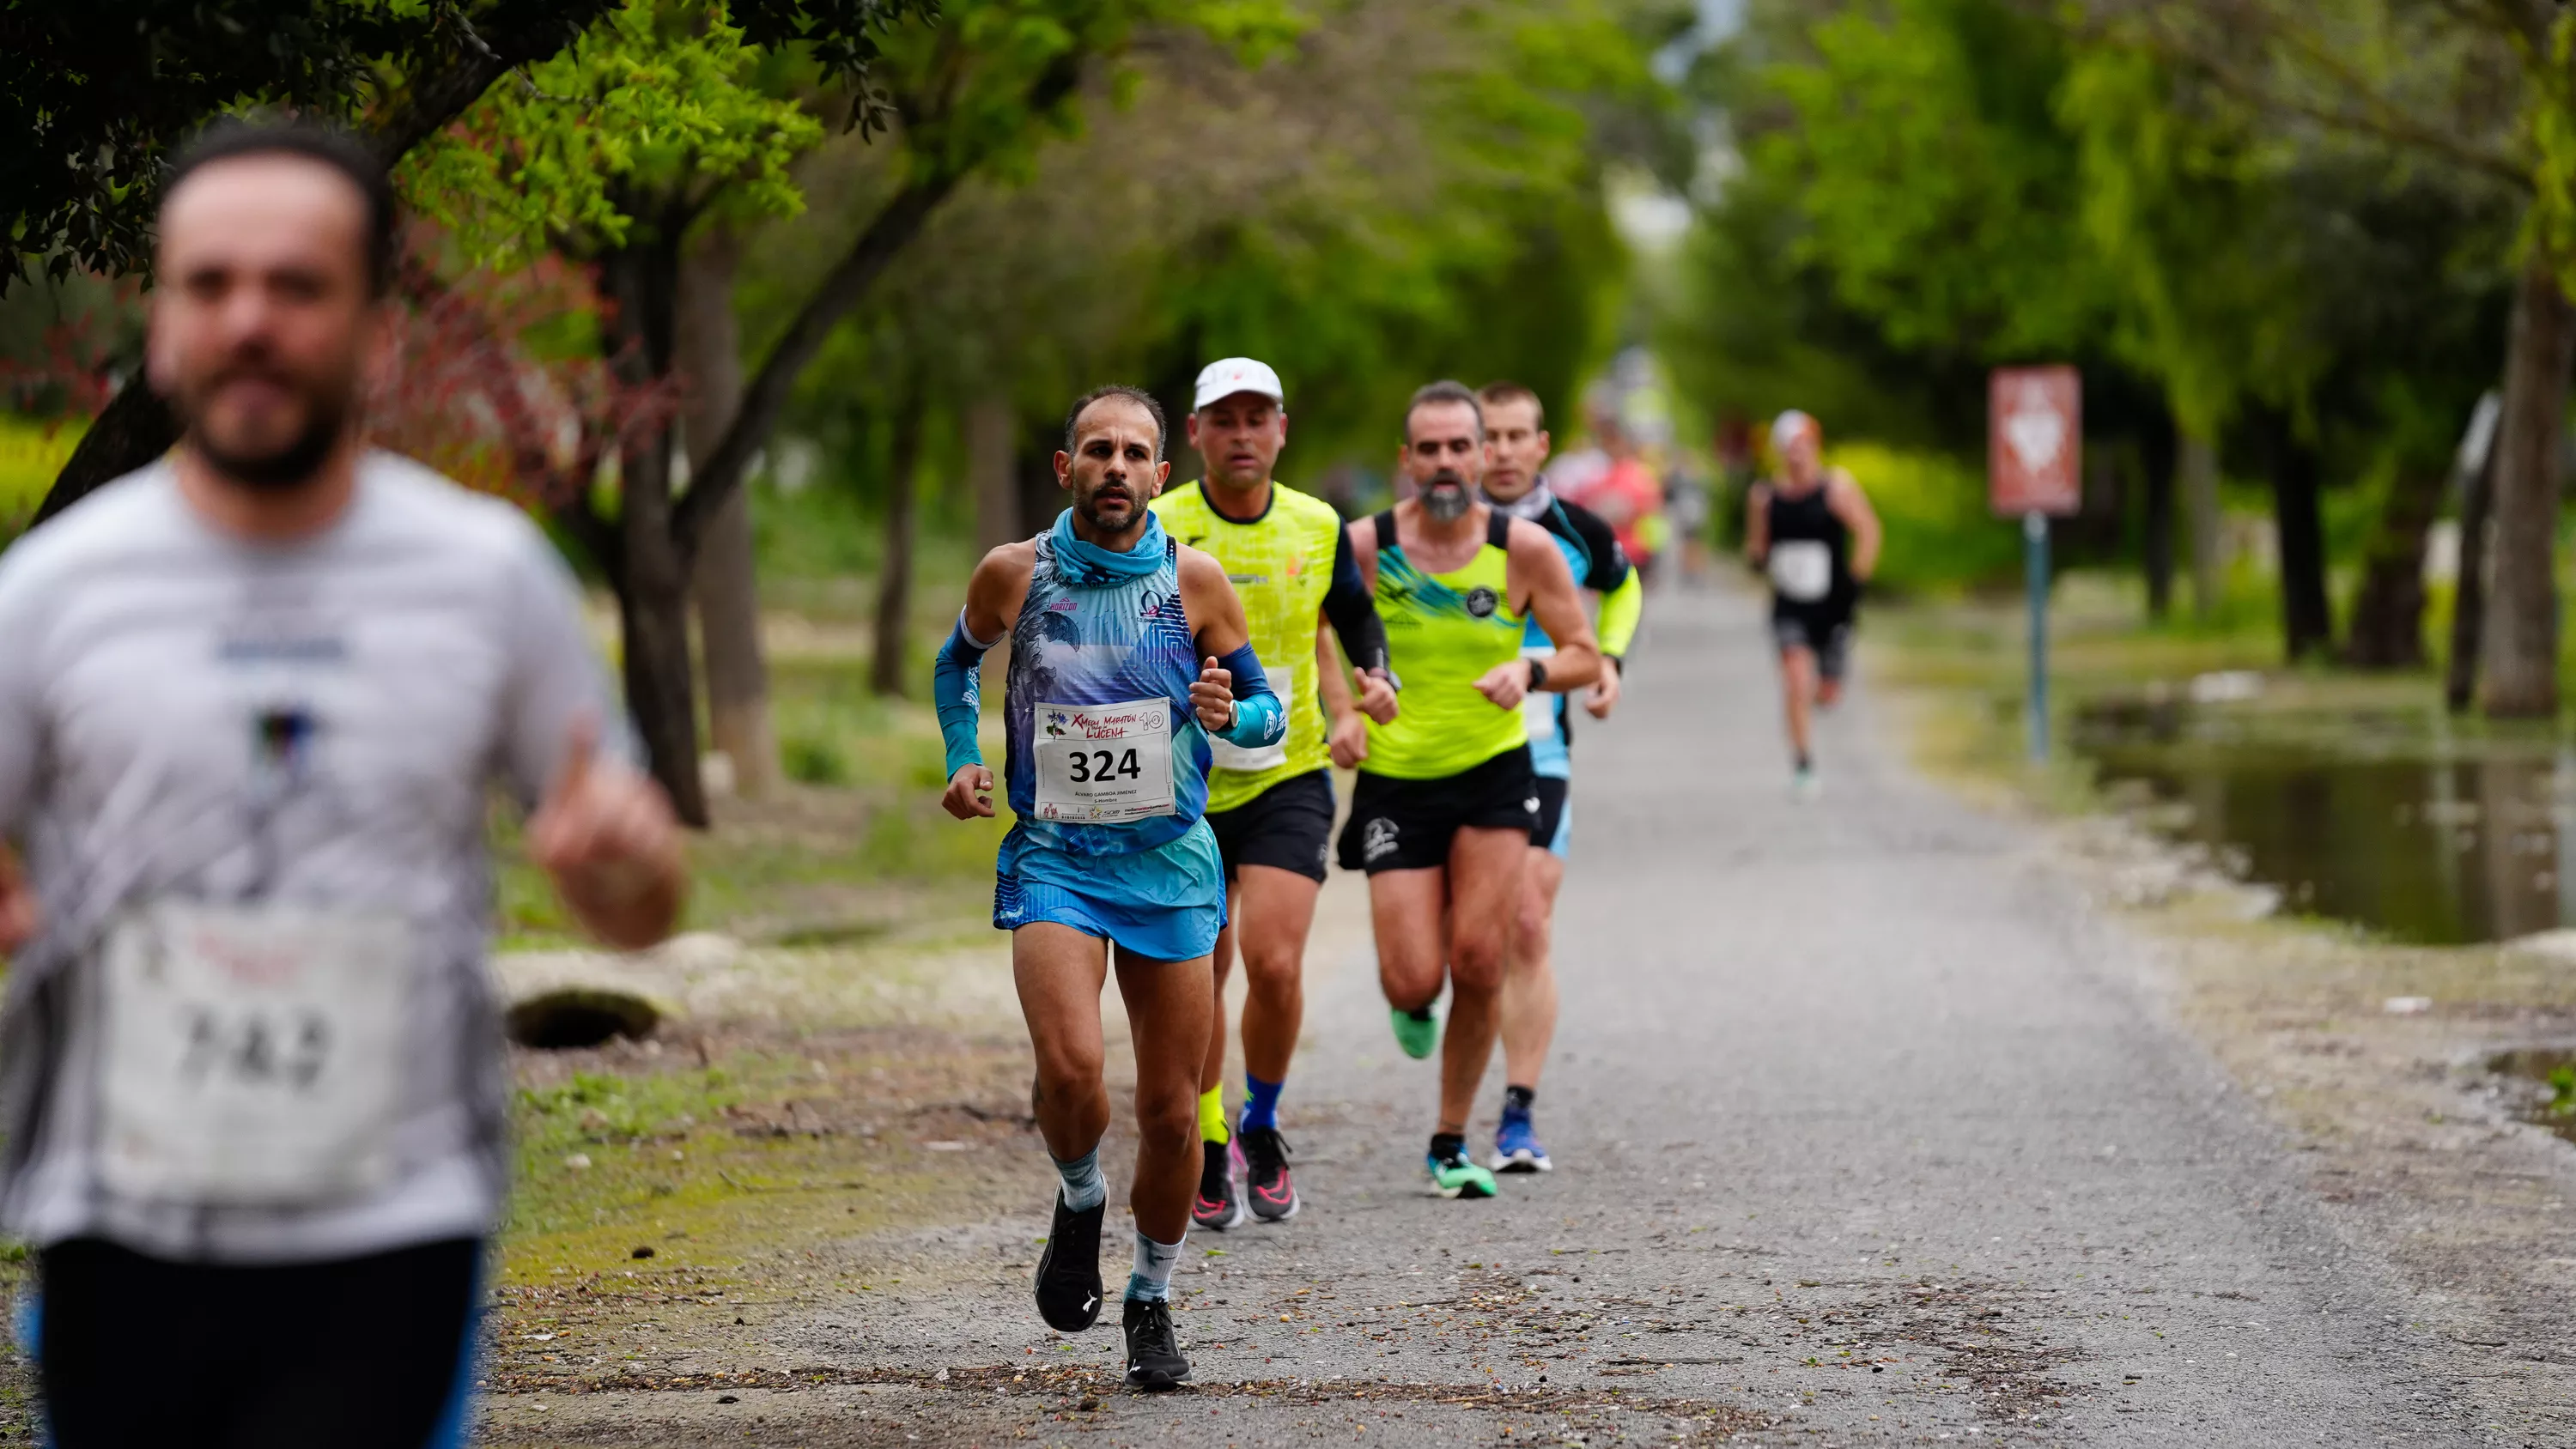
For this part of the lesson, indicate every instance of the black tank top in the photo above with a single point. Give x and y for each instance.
(1804, 520)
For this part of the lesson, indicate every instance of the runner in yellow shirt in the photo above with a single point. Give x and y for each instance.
(1442, 813)
(1271, 808)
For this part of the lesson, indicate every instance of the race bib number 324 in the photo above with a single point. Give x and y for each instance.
(1101, 764)
(252, 1054)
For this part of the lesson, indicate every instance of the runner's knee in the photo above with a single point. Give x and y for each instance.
(1067, 1070)
(1167, 1116)
(1271, 967)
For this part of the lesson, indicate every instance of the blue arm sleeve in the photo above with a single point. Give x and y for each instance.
(1258, 720)
(956, 684)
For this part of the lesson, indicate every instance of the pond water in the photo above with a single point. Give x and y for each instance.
(2386, 820)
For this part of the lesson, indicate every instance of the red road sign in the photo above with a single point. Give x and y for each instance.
(2035, 441)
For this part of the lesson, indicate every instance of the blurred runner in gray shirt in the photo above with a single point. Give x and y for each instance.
(252, 699)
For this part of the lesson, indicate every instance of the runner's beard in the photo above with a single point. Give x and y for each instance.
(1446, 497)
(1089, 508)
(284, 469)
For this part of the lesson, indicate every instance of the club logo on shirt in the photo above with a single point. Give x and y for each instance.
(1482, 601)
(1154, 604)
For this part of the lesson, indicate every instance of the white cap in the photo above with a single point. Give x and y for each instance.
(1232, 375)
(1786, 428)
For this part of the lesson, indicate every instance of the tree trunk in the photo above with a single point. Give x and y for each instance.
(641, 283)
(1041, 496)
(992, 432)
(2520, 659)
(654, 609)
(2388, 614)
(2307, 617)
(725, 578)
(2469, 597)
(2156, 451)
(2199, 479)
(135, 428)
(887, 672)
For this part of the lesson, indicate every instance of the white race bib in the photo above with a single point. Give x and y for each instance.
(1101, 764)
(1229, 756)
(1802, 569)
(1538, 707)
(252, 1054)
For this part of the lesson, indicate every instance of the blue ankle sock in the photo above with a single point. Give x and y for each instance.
(1084, 1187)
(1260, 1104)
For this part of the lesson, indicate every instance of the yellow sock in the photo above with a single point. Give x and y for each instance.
(1212, 1116)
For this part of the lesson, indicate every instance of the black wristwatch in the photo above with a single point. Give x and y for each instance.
(1538, 675)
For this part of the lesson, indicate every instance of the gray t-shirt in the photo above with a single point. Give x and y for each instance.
(186, 716)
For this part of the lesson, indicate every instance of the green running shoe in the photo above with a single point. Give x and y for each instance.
(1457, 1175)
(1415, 1031)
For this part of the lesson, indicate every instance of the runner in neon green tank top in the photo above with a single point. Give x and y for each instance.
(1271, 809)
(1440, 818)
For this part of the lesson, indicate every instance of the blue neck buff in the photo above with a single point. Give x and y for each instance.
(1088, 565)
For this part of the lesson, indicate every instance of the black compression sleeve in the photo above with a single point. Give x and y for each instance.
(1352, 612)
(1609, 562)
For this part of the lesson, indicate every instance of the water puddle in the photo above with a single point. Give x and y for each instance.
(2540, 1086)
(2385, 820)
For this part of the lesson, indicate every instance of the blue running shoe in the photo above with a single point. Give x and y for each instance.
(1516, 1144)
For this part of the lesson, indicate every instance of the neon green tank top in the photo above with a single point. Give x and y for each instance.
(1444, 631)
(1281, 565)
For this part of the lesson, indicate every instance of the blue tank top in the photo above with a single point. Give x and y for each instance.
(1081, 642)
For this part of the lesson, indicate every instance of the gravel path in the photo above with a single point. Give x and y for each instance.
(1868, 1132)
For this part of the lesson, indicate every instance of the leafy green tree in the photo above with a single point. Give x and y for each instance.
(112, 88)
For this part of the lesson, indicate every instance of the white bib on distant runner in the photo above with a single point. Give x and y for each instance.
(1225, 755)
(1538, 707)
(1802, 569)
(252, 1054)
(1103, 763)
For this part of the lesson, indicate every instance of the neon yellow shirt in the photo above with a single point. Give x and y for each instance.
(1445, 631)
(1280, 564)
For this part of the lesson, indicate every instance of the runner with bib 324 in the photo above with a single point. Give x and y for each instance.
(1128, 656)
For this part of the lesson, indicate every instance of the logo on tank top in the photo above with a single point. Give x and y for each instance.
(1153, 606)
(1482, 601)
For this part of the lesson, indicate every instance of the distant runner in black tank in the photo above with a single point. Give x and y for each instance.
(1811, 530)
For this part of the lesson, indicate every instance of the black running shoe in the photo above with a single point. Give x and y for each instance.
(1217, 1208)
(1069, 1269)
(1265, 1179)
(1154, 1361)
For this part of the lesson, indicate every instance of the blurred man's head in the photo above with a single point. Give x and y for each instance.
(276, 250)
(1239, 422)
(1516, 441)
(1444, 448)
(1800, 442)
(1113, 456)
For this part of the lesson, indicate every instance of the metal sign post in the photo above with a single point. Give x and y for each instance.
(2034, 470)
(2034, 536)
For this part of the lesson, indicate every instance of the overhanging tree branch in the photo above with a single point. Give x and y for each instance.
(893, 228)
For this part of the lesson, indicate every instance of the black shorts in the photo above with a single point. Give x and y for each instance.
(1289, 825)
(364, 1353)
(1826, 633)
(1547, 827)
(1408, 824)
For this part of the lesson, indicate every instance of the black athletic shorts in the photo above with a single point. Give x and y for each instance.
(1289, 825)
(1826, 632)
(1408, 824)
(1547, 827)
(362, 1353)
